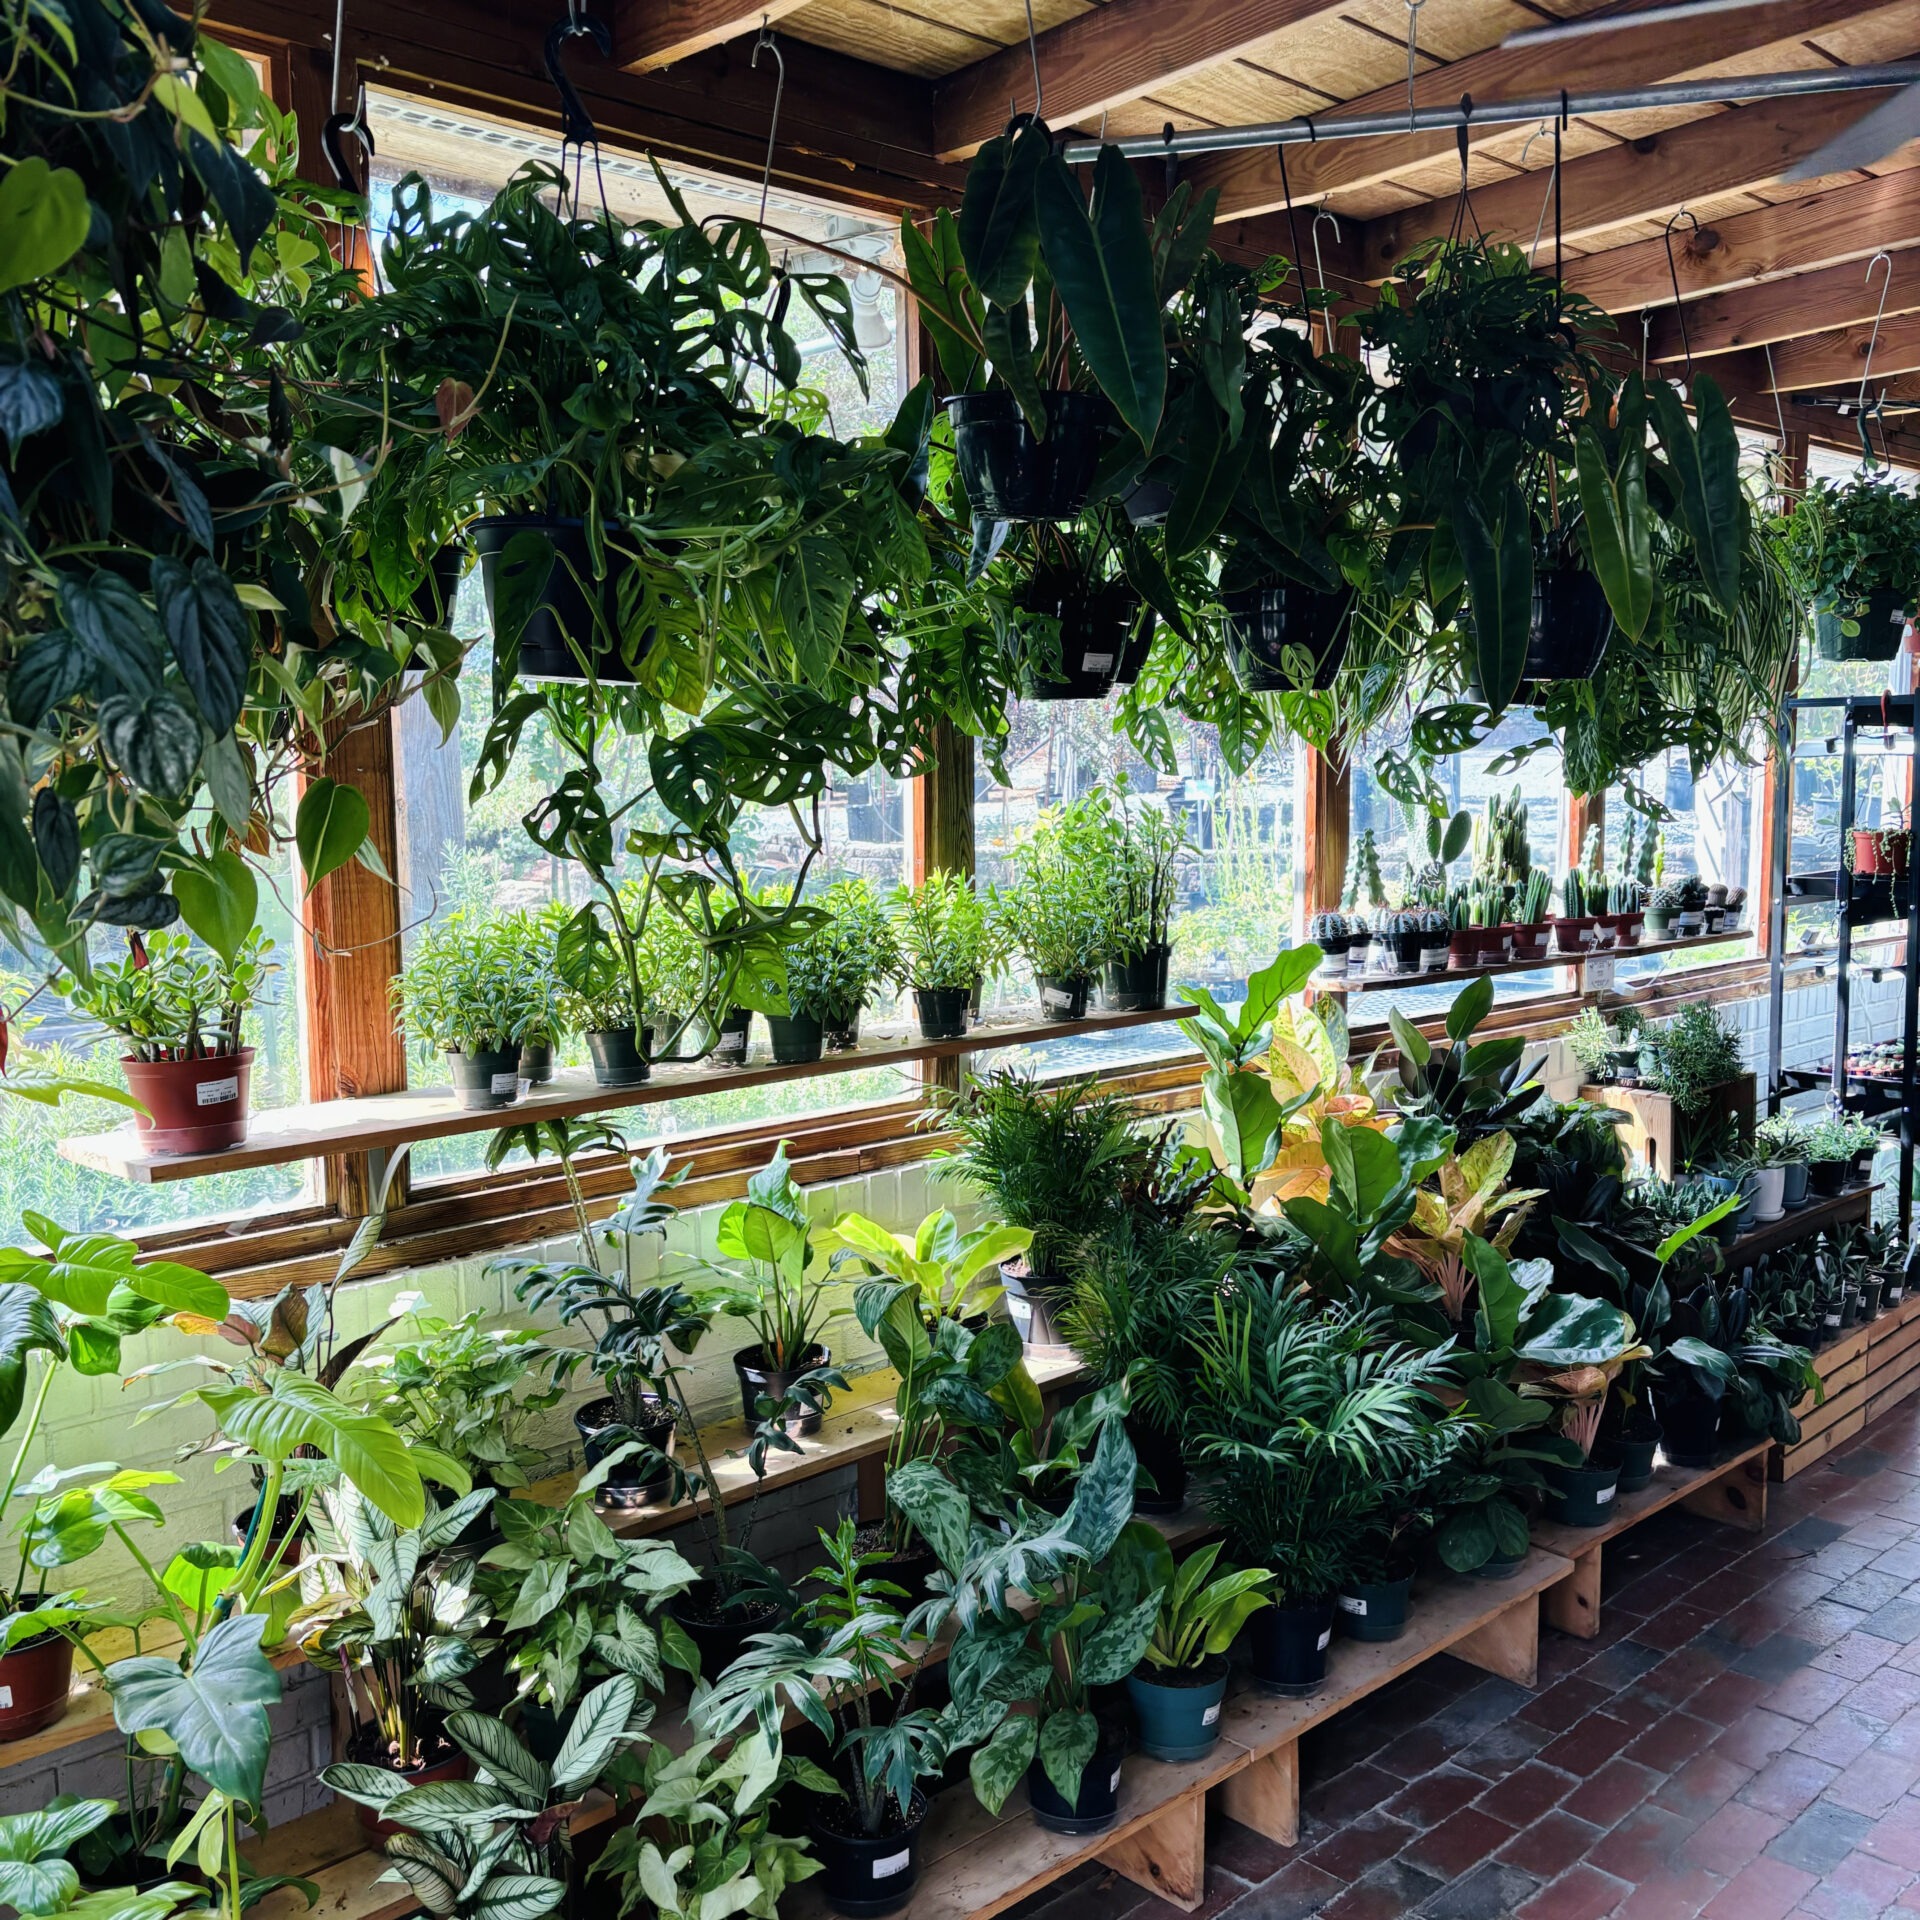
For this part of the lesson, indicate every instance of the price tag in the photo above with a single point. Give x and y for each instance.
(216, 1093)
(507, 1084)
(892, 1864)
(1596, 973)
(1325, 1638)
(1211, 1715)
(1605, 1494)
(1353, 1604)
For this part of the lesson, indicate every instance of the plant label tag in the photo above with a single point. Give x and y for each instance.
(1057, 997)
(1596, 973)
(217, 1093)
(1832, 1320)
(892, 1864)
(505, 1085)
(1605, 1494)
(6, 1696)
(1211, 1715)
(1096, 663)
(1353, 1604)
(1324, 1640)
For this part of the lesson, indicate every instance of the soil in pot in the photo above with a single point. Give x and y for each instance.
(1289, 1647)
(35, 1679)
(192, 1106)
(910, 1570)
(1138, 983)
(1263, 623)
(1373, 1609)
(1158, 1454)
(1007, 473)
(637, 1481)
(1094, 1808)
(730, 1047)
(571, 604)
(720, 1632)
(536, 1062)
(758, 1380)
(1689, 1426)
(1061, 998)
(864, 1874)
(619, 1059)
(1581, 1496)
(441, 1760)
(797, 1038)
(485, 1080)
(943, 1011)
(1096, 621)
(1177, 1709)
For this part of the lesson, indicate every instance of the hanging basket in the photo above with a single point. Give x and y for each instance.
(1007, 473)
(1572, 624)
(1882, 620)
(1263, 622)
(1096, 625)
(564, 610)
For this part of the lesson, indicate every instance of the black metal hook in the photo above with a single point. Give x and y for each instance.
(576, 123)
(1173, 159)
(337, 130)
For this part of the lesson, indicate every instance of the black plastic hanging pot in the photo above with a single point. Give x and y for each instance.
(1572, 625)
(1137, 983)
(1881, 617)
(1133, 656)
(1061, 997)
(571, 605)
(1158, 1454)
(1264, 622)
(1374, 1610)
(1096, 619)
(1289, 1646)
(619, 1059)
(638, 1479)
(433, 598)
(864, 1875)
(1007, 473)
(1093, 1809)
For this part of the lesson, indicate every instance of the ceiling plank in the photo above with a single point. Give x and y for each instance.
(1646, 179)
(1838, 359)
(649, 34)
(1850, 222)
(1249, 181)
(1102, 60)
(1816, 302)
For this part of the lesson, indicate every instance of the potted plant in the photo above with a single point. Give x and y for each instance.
(595, 999)
(1073, 622)
(1785, 1143)
(1853, 544)
(465, 993)
(1056, 914)
(1691, 918)
(1178, 1687)
(1305, 1415)
(833, 972)
(1691, 1059)
(1331, 934)
(946, 949)
(1769, 1164)
(1864, 1140)
(1663, 906)
(1830, 1152)
(1433, 942)
(180, 1008)
(1050, 1160)
(1144, 846)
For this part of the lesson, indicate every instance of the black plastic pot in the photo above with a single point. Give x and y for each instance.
(1572, 624)
(1093, 1809)
(1827, 1179)
(618, 1058)
(720, 1637)
(1373, 1610)
(433, 598)
(943, 1011)
(1133, 656)
(570, 598)
(1880, 622)
(736, 1032)
(1289, 1647)
(1147, 503)
(1263, 622)
(1096, 622)
(797, 1038)
(1032, 1301)
(1158, 1453)
(1138, 983)
(1177, 1711)
(1863, 1165)
(1689, 1424)
(1496, 1569)
(840, 1039)
(1636, 1462)
(484, 1081)
(1581, 1496)
(864, 1877)
(1061, 998)
(1007, 473)
(536, 1062)
(631, 1483)
(757, 1379)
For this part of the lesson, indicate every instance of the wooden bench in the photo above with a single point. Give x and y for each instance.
(1865, 1372)
(1732, 1491)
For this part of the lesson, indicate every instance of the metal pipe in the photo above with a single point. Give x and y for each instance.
(1358, 126)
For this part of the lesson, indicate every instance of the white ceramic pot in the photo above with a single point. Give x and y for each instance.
(1770, 1193)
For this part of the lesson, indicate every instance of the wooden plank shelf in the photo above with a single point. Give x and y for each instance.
(1388, 982)
(1732, 1491)
(1868, 1370)
(383, 1122)
(1853, 1207)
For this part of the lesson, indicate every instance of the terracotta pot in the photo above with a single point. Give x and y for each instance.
(192, 1106)
(1574, 933)
(1529, 940)
(1886, 851)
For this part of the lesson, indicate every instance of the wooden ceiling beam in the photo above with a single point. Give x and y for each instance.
(1850, 222)
(649, 34)
(1743, 379)
(1647, 179)
(1249, 181)
(1103, 59)
(1838, 359)
(1802, 303)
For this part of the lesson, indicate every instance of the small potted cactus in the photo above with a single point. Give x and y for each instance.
(1575, 924)
(1529, 926)
(1328, 932)
(1433, 940)
(1663, 903)
(1736, 907)
(1360, 938)
(1400, 933)
(1691, 917)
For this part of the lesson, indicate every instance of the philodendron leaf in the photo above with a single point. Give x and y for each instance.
(1619, 525)
(999, 229)
(1497, 550)
(216, 1713)
(43, 220)
(27, 1326)
(329, 828)
(219, 900)
(35, 1876)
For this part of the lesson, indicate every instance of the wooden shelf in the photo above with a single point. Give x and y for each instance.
(382, 1122)
(1387, 982)
(1868, 1370)
(1799, 1222)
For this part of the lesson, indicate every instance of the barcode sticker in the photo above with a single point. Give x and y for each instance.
(6, 1697)
(892, 1864)
(507, 1084)
(1055, 997)
(1605, 1494)
(1211, 1715)
(1325, 1638)
(217, 1093)
(1832, 1320)
(1352, 1603)
(1096, 663)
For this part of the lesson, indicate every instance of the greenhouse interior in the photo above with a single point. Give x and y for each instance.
(959, 961)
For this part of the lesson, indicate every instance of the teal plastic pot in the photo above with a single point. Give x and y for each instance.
(1581, 1496)
(1374, 1609)
(1178, 1713)
(1794, 1188)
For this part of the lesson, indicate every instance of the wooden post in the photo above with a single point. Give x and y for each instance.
(1325, 831)
(1584, 810)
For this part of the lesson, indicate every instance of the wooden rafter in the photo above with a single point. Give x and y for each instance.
(1815, 302)
(1644, 179)
(1249, 181)
(648, 34)
(1838, 359)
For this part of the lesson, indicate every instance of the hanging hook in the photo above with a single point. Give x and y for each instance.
(770, 44)
(1646, 336)
(1033, 53)
(1320, 272)
(1673, 277)
(1779, 412)
(1544, 131)
(340, 127)
(1413, 52)
(1881, 259)
(576, 123)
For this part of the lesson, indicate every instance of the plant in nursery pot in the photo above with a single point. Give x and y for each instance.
(849, 1668)
(1830, 1152)
(180, 1007)
(1497, 1481)
(1783, 1140)
(596, 1000)
(781, 1283)
(1178, 1687)
(947, 948)
(465, 993)
(835, 971)
(1054, 913)
(1724, 1376)
(1852, 543)
(1145, 847)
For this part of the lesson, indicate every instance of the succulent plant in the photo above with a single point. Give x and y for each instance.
(1328, 930)
(1664, 899)
(1693, 894)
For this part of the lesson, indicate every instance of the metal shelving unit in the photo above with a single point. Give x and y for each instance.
(1887, 724)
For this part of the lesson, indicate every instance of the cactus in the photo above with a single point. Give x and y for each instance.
(1665, 899)
(1501, 851)
(1536, 891)
(1324, 928)
(1693, 894)
(1363, 874)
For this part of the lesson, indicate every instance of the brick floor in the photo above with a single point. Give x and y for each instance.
(1742, 1740)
